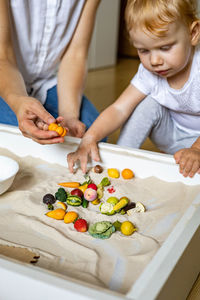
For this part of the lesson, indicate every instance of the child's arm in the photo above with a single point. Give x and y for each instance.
(109, 120)
(189, 159)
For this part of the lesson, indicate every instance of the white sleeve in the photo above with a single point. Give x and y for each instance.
(144, 80)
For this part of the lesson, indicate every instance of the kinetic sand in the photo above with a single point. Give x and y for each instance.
(114, 263)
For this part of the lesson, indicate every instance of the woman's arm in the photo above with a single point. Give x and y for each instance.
(109, 120)
(12, 87)
(73, 70)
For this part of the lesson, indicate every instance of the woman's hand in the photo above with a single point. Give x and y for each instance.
(33, 121)
(189, 161)
(88, 147)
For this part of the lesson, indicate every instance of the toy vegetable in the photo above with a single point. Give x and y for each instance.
(61, 195)
(74, 200)
(104, 182)
(100, 187)
(84, 203)
(57, 214)
(58, 128)
(107, 209)
(101, 230)
(122, 203)
(70, 184)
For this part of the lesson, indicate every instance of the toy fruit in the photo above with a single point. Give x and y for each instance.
(83, 187)
(77, 192)
(97, 169)
(122, 203)
(90, 194)
(58, 128)
(112, 200)
(70, 184)
(81, 225)
(70, 217)
(92, 186)
(100, 187)
(127, 174)
(111, 190)
(113, 173)
(61, 205)
(57, 214)
(74, 200)
(96, 201)
(100, 192)
(127, 228)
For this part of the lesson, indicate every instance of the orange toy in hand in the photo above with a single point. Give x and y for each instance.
(58, 128)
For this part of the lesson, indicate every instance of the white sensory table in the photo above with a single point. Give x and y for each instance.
(171, 272)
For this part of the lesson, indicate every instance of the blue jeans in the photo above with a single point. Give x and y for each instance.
(88, 112)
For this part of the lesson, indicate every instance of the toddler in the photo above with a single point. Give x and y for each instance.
(163, 99)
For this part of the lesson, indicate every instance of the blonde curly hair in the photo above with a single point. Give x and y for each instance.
(154, 16)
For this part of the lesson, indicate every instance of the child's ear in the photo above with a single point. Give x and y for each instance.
(195, 32)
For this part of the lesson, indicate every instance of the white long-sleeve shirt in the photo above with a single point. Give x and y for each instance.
(41, 31)
(184, 103)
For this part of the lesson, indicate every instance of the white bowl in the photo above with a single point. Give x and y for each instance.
(8, 170)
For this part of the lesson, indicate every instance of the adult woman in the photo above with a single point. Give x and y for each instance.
(42, 44)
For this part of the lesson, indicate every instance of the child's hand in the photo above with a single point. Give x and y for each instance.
(189, 161)
(88, 147)
(75, 126)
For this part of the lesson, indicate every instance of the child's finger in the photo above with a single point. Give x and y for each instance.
(59, 119)
(177, 156)
(188, 167)
(84, 160)
(194, 169)
(95, 153)
(71, 161)
(182, 165)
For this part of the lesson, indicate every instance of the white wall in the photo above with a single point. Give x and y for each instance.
(103, 49)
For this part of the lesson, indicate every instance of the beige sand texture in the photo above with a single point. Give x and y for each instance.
(114, 263)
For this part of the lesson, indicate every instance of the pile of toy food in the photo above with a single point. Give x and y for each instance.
(66, 248)
(88, 193)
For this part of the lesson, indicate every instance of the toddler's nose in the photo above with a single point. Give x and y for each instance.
(155, 59)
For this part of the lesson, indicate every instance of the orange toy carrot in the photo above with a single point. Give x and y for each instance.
(70, 184)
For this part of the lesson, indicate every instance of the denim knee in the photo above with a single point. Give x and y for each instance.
(7, 116)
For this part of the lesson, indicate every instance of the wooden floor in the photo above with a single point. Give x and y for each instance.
(102, 88)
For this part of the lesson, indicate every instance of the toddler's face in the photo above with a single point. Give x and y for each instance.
(165, 56)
